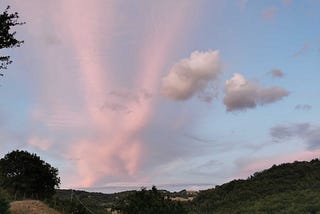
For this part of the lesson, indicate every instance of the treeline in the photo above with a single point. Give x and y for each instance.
(286, 188)
(142, 201)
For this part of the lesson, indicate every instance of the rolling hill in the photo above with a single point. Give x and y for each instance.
(286, 188)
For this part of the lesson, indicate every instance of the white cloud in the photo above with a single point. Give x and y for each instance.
(242, 94)
(192, 75)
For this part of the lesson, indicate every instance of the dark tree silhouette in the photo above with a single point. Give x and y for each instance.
(25, 175)
(7, 38)
(148, 202)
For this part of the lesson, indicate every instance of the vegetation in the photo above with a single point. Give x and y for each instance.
(30, 207)
(4, 202)
(287, 188)
(82, 202)
(71, 206)
(148, 202)
(68, 201)
(25, 175)
(7, 38)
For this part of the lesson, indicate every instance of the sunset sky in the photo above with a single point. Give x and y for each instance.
(120, 94)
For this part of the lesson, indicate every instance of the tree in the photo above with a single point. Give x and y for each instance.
(7, 38)
(148, 202)
(26, 175)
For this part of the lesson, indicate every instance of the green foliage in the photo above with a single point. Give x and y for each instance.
(67, 206)
(4, 203)
(7, 38)
(287, 188)
(25, 175)
(68, 201)
(100, 202)
(293, 202)
(148, 202)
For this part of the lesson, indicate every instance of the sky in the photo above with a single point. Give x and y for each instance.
(179, 94)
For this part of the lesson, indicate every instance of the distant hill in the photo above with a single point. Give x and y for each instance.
(100, 202)
(286, 188)
(30, 207)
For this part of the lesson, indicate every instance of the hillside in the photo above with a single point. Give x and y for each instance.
(286, 188)
(100, 202)
(30, 207)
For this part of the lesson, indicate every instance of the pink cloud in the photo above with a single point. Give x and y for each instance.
(42, 144)
(77, 74)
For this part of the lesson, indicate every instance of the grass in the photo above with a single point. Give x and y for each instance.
(30, 207)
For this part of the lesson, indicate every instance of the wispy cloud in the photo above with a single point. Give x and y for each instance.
(80, 112)
(276, 73)
(304, 107)
(306, 132)
(242, 94)
(303, 50)
(42, 144)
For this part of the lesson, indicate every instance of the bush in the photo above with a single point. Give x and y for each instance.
(4, 203)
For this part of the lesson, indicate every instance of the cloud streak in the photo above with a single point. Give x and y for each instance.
(306, 132)
(80, 114)
(242, 94)
(303, 107)
(276, 73)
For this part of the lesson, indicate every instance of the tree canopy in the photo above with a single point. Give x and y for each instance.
(148, 202)
(26, 175)
(7, 36)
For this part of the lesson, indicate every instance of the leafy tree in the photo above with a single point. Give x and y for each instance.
(7, 38)
(148, 202)
(26, 175)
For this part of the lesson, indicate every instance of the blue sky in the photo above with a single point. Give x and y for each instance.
(180, 94)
